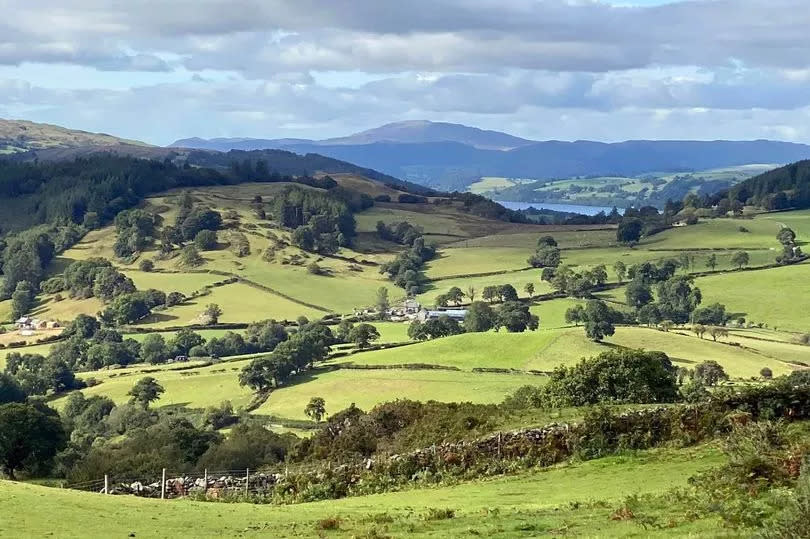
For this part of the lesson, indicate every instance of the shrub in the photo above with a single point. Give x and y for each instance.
(146, 265)
(621, 376)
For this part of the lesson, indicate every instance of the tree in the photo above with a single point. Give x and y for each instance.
(455, 295)
(649, 315)
(711, 315)
(516, 318)
(710, 373)
(190, 256)
(711, 262)
(637, 294)
(146, 265)
(786, 236)
(718, 332)
(22, 300)
(507, 292)
(480, 317)
(620, 269)
(545, 257)
(343, 329)
(470, 293)
(30, 436)
(490, 293)
(154, 349)
(666, 325)
(212, 313)
(740, 259)
(629, 230)
(205, 240)
(546, 241)
(443, 326)
(699, 330)
(10, 389)
(598, 320)
(529, 289)
(363, 334)
(144, 391)
(677, 298)
(766, 373)
(316, 409)
(575, 315)
(382, 303)
(617, 376)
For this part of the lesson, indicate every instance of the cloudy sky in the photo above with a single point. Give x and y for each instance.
(158, 70)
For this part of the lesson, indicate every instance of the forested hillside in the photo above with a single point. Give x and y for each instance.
(785, 187)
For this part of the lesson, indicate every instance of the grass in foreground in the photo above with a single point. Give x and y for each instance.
(572, 499)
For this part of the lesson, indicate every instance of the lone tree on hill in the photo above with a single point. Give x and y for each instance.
(212, 313)
(316, 409)
(470, 293)
(740, 259)
(710, 373)
(529, 289)
(598, 318)
(766, 373)
(145, 390)
(190, 257)
(363, 334)
(711, 262)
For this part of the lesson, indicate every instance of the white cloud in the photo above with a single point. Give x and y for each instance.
(325, 67)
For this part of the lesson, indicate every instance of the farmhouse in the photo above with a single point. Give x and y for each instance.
(453, 314)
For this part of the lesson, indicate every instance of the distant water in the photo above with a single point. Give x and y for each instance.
(570, 208)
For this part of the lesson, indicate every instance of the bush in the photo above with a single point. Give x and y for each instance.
(146, 265)
(205, 240)
(620, 376)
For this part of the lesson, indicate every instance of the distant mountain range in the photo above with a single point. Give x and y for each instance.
(21, 140)
(452, 156)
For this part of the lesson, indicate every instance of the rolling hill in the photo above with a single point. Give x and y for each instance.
(21, 135)
(452, 156)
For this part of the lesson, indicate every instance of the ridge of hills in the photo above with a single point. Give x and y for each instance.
(453, 156)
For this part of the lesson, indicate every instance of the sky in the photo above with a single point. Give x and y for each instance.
(160, 70)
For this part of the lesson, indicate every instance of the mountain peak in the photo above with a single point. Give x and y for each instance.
(422, 131)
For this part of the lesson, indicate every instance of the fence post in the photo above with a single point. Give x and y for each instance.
(499, 445)
(106, 484)
(247, 481)
(163, 486)
(205, 483)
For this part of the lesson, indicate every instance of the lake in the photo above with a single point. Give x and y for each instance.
(570, 208)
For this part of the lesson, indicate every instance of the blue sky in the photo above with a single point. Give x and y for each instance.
(543, 69)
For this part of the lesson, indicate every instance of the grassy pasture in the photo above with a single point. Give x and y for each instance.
(194, 388)
(366, 388)
(240, 303)
(776, 297)
(533, 502)
(687, 350)
(717, 234)
(567, 237)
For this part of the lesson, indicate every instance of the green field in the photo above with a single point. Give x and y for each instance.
(531, 503)
(193, 388)
(776, 297)
(546, 349)
(367, 388)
